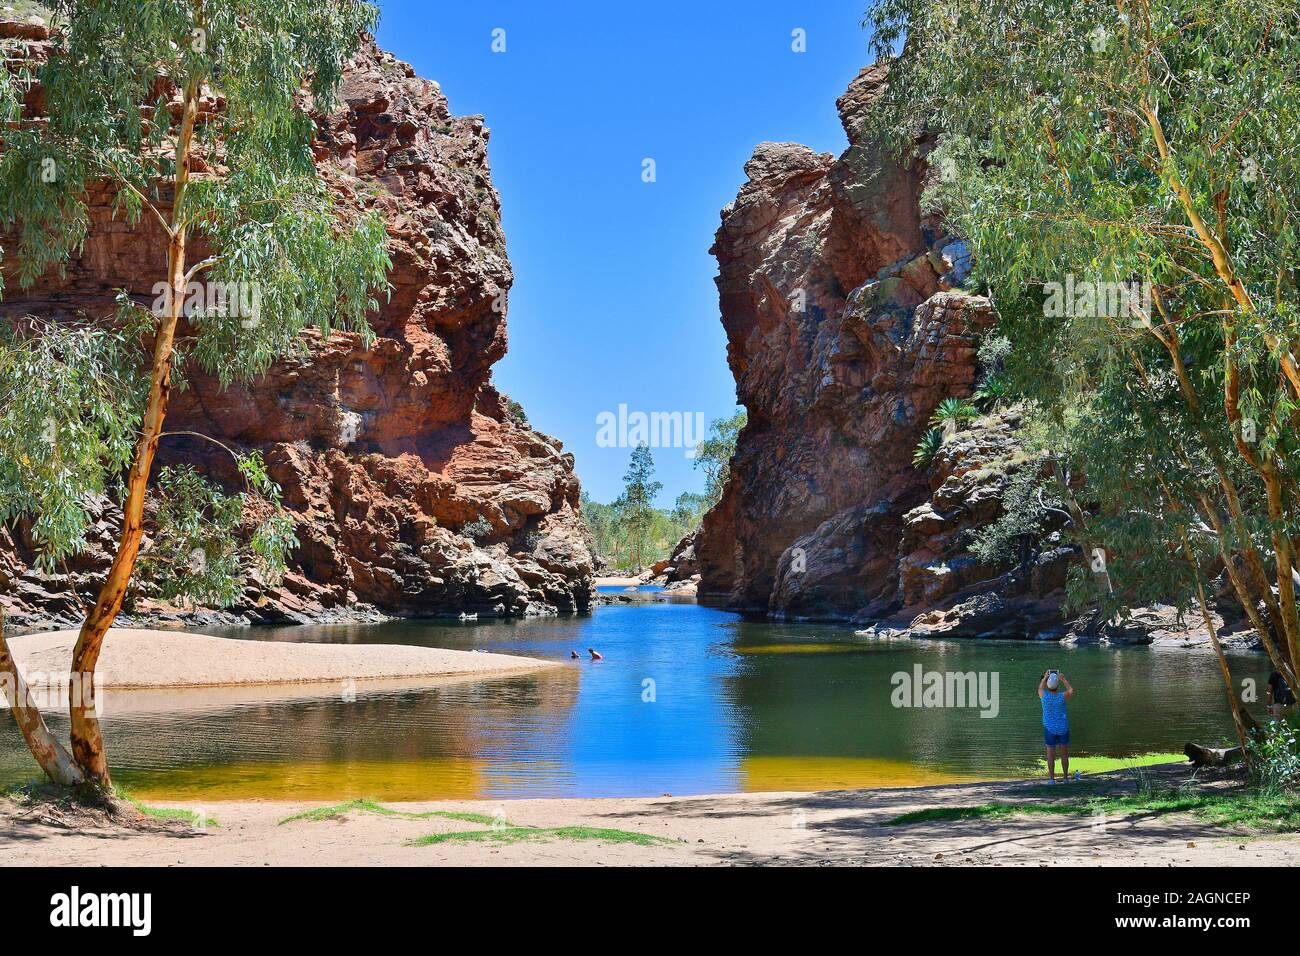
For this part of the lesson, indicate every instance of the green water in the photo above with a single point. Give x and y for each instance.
(689, 699)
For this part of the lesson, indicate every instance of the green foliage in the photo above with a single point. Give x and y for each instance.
(200, 551)
(516, 412)
(610, 532)
(636, 505)
(363, 805)
(992, 353)
(74, 393)
(1251, 810)
(269, 218)
(1275, 755)
(194, 818)
(993, 393)
(1261, 809)
(928, 447)
(688, 509)
(479, 529)
(1029, 510)
(953, 411)
(632, 532)
(514, 834)
(71, 397)
(1085, 146)
(715, 452)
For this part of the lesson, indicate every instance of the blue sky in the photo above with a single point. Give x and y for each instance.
(614, 301)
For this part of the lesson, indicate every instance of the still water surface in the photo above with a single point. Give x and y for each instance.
(733, 705)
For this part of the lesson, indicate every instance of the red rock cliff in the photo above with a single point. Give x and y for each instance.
(845, 330)
(385, 453)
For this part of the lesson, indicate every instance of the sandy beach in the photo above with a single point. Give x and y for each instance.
(139, 659)
(847, 827)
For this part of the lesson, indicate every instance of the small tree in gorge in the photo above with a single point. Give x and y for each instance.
(636, 507)
(195, 115)
(714, 454)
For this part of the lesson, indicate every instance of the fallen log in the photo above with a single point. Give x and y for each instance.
(1212, 756)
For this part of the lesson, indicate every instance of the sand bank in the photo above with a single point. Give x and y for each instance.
(159, 659)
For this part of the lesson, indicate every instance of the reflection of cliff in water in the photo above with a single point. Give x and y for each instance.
(688, 700)
(824, 711)
(452, 740)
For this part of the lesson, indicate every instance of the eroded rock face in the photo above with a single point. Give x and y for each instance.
(387, 452)
(847, 324)
(944, 589)
(846, 327)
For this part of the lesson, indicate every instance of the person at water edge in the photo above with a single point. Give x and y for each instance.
(595, 654)
(1279, 695)
(1053, 691)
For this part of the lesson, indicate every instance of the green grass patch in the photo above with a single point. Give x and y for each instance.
(1253, 810)
(934, 814)
(514, 834)
(370, 806)
(495, 832)
(167, 813)
(1106, 764)
(984, 811)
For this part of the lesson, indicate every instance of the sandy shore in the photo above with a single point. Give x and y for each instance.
(163, 659)
(845, 827)
(618, 582)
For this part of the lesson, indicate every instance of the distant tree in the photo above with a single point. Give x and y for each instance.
(636, 505)
(714, 454)
(689, 509)
(194, 113)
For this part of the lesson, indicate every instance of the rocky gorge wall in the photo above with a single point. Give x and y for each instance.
(413, 488)
(847, 325)
(848, 321)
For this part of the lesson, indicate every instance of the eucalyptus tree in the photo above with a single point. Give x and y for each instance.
(636, 506)
(1126, 172)
(196, 115)
(715, 452)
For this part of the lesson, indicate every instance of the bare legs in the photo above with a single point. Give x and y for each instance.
(1065, 762)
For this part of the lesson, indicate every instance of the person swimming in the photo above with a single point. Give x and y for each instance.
(595, 654)
(573, 655)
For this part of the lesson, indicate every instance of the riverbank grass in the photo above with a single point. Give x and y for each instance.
(515, 834)
(196, 819)
(498, 830)
(1265, 811)
(370, 806)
